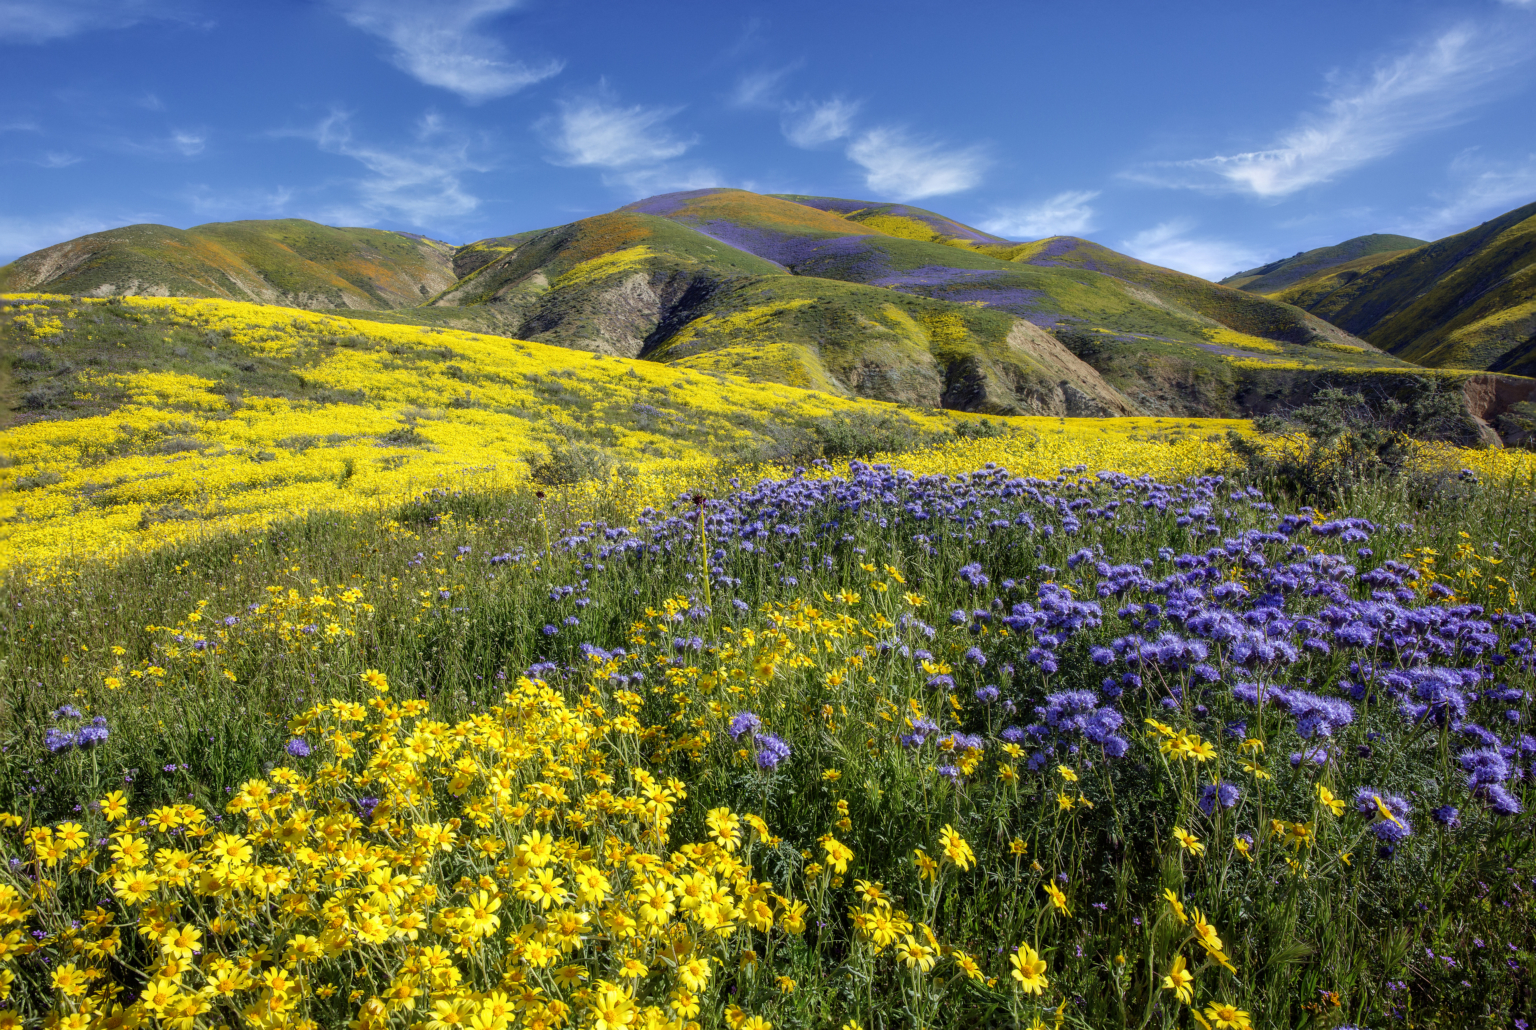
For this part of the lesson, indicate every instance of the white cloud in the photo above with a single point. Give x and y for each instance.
(902, 168)
(444, 43)
(814, 122)
(58, 159)
(1170, 245)
(760, 89)
(20, 236)
(179, 142)
(1486, 189)
(1065, 214)
(38, 21)
(594, 132)
(189, 144)
(1427, 88)
(419, 184)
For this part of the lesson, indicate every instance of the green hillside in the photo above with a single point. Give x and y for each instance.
(1277, 275)
(921, 252)
(854, 298)
(1467, 301)
(637, 285)
(1169, 343)
(1040, 281)
(286, 261)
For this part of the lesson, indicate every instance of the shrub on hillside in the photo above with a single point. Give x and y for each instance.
(863, 435)
(44, 395)
(573, 463)
(1343, 439)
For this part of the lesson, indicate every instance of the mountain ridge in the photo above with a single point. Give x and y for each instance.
(855, 298)
(1275, 276)
(1468, 300)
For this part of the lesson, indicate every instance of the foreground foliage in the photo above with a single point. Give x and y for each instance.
(872, 749)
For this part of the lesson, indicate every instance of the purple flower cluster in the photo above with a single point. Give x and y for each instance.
(744, 722)
(1388, 831)
(1070, 716)
(1316, 716)
(1214, 795)
(771, 750)
(922, 730)
(964, 742)
(59, 740)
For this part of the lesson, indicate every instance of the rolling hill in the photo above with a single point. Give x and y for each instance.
(634, 284)
(1467, 301)
(1277, 275)
(848, 297)
(285, 261)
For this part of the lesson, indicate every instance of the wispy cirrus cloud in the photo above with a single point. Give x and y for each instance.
(632, 144)
(812, 123)
(1367, 117)
(1065, 214)
(445, 43)
(761, 88)
(1170, 244)
(39, 21)
(175, 143)
(598, 131)
(806, 123)
(901, 167)
(188, 144)
(1483, 189)
(420, 183)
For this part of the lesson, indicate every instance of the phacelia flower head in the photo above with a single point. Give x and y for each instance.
(744, 722)
(1448, 816)
(1221, 794)
(770, 750)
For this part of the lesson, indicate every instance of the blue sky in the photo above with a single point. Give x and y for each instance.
(1205, 136)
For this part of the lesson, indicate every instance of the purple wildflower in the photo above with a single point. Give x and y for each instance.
(1214, 794)
(744, 722)
(770, 750)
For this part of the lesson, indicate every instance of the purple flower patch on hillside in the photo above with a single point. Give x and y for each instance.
(855, 259)
(842, 207)
(784, 248)
(667, 203)
(939, 223)
(970, 286)
(934, 275)
(1060, 247)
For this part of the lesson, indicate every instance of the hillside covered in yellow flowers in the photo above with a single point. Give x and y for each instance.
(162, 419)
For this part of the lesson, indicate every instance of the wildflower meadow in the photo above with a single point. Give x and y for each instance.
(1043, 723)
(845, 747)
